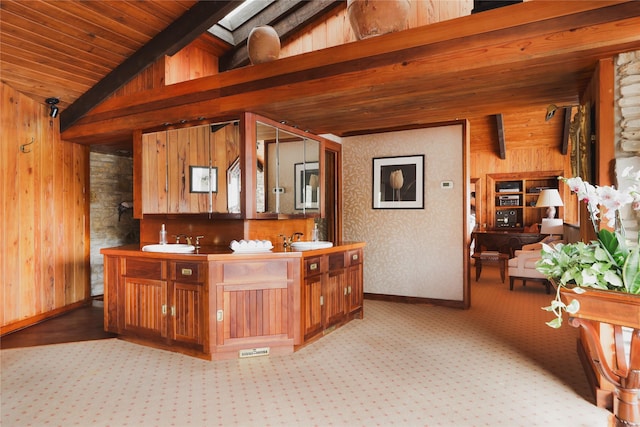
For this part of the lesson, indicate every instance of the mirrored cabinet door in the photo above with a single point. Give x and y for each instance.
(287, 172)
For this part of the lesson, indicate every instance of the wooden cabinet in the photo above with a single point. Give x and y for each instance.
(255, 304)
(185, 170)
(333, 290)
(159, 301)
(512, 198)
(231, 305)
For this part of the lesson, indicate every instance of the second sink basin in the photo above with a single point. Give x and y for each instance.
(307, 246)
(171, 248)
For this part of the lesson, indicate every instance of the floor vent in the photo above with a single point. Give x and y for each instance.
(254, 352)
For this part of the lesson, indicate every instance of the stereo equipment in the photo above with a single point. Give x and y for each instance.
(509, 200)
(507, 218)
(508, 187)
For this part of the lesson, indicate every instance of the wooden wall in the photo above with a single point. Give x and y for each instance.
(44, 207)
(532, 145)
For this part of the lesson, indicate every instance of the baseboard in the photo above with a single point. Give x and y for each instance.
(25, 323)
(415, 300)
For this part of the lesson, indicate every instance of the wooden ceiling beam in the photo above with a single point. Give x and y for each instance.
(191, 25)
(439, 72)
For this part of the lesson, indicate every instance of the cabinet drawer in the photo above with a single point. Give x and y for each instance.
(184, 271)
(154, 269)
(336, 261)
(312, 266)
(355, 257)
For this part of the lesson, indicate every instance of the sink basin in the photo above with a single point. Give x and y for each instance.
(307, 246)
(170, 248)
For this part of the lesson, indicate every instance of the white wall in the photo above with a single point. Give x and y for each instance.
(417, 252)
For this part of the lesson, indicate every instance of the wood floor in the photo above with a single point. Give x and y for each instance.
(83, 324)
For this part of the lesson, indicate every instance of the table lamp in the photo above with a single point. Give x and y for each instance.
(552, 226)
(549, 199)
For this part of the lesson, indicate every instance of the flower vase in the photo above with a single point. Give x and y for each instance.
(371, 18)
(263, 44)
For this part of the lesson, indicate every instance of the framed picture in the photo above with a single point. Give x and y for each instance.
(203, 179)
(234, 182)
(306, 184)
(398, 182)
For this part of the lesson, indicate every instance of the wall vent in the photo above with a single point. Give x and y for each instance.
(254, 352)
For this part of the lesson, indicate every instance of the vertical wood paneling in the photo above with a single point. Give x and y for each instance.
(154, 180)
(254, 313)
(44, 208)
(188, 303)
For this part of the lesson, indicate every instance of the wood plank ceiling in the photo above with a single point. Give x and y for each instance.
(484, 64)
(81, 52)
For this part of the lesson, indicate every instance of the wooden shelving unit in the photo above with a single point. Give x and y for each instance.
(512, 197)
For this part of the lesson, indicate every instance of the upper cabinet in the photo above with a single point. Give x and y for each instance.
(287, 172)
(251, 168)
(188, 170)
(283, 170)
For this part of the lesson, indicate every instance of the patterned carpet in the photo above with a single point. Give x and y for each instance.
(403, 365)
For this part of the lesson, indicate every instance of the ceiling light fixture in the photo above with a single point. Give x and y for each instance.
(54, 109)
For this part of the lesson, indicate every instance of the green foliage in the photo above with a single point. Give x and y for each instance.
(602, 264)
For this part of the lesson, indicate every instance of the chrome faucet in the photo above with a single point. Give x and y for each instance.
(287, 241)
(179, 236)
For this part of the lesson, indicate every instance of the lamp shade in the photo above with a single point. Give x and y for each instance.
(552, 226)
(549, 198)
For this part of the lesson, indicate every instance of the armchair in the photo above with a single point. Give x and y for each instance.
(523, 265)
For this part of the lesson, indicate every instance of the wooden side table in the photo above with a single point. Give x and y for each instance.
(501, 258)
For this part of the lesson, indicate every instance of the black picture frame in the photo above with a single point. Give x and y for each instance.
(398, 182)
(306, 191)
(203, 179)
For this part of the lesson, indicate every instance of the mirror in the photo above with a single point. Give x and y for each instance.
(287, 172)
(192, 170)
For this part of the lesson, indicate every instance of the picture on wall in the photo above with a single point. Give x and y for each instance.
(203, 179)
(398, 182)
(306, 183)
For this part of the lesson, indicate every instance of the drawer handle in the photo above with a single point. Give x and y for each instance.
(187, 272)
(354, 257)
(313, 266)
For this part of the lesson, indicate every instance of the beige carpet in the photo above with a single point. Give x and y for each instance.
(496, 364)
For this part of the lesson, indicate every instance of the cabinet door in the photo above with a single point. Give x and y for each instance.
(154, 173)
(189, 175)
(187, 305)
(145, 307)
(333, 295)
(354, 288)
(313, 301)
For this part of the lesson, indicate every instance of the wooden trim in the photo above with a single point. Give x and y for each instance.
(24, 323)
(605, 122)
(137, 174)
(564, 147)
(415, 300)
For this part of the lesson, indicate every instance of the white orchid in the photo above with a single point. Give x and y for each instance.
(606, 263)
